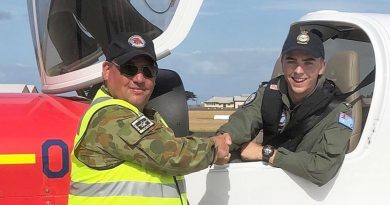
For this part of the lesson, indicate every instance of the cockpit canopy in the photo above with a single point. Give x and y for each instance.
(70, 35)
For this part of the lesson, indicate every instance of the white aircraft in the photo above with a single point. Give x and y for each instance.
(68, 37)
(356, 44)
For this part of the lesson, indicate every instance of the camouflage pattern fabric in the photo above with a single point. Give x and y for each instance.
(111, 139)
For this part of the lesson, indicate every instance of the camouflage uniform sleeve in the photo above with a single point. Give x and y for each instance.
(111, 140)
(246, 122)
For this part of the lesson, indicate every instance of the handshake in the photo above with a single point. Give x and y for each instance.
(222, 143)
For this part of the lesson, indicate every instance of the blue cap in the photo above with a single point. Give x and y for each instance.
(304, 40)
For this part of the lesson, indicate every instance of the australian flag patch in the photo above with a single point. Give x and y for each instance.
(346, 120)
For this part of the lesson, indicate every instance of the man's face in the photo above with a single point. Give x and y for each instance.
(301, 72)
(134, 89)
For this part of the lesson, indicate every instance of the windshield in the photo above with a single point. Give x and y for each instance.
(73, 33)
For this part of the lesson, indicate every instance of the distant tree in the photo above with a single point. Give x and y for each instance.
(191, 96)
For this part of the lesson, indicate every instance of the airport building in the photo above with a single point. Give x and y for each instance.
(225, 102)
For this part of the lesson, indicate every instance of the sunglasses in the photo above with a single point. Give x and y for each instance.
(130, 70)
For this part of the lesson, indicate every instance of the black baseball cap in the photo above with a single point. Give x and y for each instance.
(127, 45)
(299, 39)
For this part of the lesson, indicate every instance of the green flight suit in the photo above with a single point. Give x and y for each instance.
(318, 156)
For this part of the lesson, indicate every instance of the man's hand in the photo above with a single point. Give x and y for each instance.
(251, 151)
(222, 142)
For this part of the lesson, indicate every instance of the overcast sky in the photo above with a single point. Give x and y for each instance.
(230, 49)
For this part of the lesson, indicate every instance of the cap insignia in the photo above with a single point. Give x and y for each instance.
(303, 37)
(136, 41)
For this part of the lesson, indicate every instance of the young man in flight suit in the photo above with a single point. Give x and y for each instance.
(125, 154)
(306, 129)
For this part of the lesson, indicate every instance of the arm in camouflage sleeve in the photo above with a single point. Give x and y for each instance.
(111, 140)
(245, 123)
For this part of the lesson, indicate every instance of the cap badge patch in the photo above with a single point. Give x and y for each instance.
(303, 37)
(136, 41)
(142, 124)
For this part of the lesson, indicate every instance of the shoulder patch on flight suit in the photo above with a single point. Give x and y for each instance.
(250, 99)
(346, 120)
(141, 124)
(273, 87)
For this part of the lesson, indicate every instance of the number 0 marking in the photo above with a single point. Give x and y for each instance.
(45, 158)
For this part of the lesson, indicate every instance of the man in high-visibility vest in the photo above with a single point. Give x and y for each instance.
(125, 154)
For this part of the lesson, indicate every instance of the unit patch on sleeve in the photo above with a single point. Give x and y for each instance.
(346, 120)
(250, 99)
(141, 124)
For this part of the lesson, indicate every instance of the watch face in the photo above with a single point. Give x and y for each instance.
(267, 150)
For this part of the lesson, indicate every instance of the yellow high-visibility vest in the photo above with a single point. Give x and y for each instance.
(127, 183)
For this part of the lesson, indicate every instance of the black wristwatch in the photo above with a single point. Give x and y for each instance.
(267, 151)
